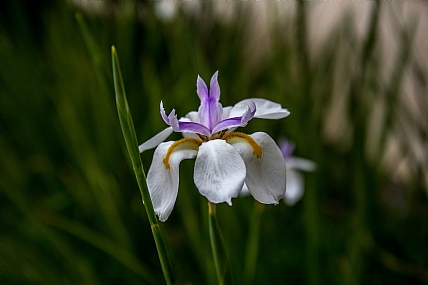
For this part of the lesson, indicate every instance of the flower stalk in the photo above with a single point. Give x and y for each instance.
(253, 243)
(130, 137)
(221, 259)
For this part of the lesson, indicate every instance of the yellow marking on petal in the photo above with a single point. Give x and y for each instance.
(239, 137)
(186, 143)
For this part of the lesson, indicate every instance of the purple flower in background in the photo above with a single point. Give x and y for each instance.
(295, 183)
(224, 159)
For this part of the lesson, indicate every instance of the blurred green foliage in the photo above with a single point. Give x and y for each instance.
(71, 212)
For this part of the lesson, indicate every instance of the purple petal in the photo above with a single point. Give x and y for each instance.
(183, 126)
(249, 114)
(173, 121)
(201, 89)
(215, 87)
(163, 114)
(204, 114)
(210, 111)
(193, 127)
(227, 124)
(216, 113)
(286, 148)
(236, 121)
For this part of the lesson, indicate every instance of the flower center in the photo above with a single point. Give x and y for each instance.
(185, 143)
(194, 144)
(218, 135)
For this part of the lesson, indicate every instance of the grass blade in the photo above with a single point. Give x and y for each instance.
(132, 146)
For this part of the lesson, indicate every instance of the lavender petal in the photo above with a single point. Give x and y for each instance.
(227, 124)
(215, 87)
(240, 121)
(163, 114)
(201, 89)
(193, 127)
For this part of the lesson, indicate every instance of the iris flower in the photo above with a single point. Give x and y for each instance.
(225, 159)
(295, 182)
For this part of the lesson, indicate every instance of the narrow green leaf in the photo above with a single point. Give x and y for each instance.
(128, 131)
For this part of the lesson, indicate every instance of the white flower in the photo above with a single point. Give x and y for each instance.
(295, 182)
(224, 159)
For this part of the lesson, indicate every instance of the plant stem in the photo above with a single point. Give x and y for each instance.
(132, 146)
(253, 243)
(221, 260)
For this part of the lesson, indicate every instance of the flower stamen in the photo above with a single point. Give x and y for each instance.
(185, 143)
(218, 135)
(204, 138)
(236, 137)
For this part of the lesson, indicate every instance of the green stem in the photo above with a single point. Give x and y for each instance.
(221, 260)
(253, 243)
(132, 146)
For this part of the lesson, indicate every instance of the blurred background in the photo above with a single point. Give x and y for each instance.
(353, 75)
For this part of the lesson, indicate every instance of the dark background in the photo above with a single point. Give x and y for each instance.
(71, 212)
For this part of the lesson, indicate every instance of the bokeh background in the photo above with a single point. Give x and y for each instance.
(353, 74)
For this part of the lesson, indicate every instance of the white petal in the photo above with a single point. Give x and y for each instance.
(163, 182)
(226, 112)
(156, 140)
(295, 188)
(192, 116)
(265, 109)
(219, 171)
(266, 175)
(189, 135)
(300, 163)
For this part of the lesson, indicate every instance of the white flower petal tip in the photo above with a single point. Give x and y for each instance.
(265, 109)
(265, 177)
(219, 171)
(156, 140)
(301, 164)
(163, 175)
